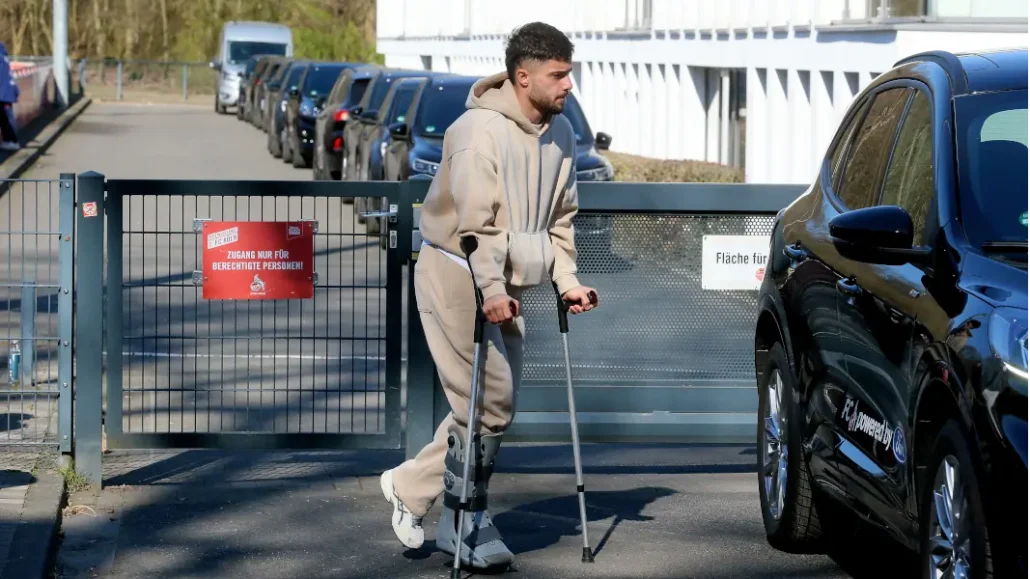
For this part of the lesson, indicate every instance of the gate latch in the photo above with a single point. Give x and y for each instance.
(392, 213)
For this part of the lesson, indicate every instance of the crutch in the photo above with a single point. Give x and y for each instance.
(563, 327)
(469, 243)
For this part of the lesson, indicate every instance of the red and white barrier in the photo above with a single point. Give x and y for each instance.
(32, 79)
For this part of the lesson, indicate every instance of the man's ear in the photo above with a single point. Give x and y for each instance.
(522, 77)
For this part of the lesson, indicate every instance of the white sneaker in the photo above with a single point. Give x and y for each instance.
(407, 526)
(9, 146)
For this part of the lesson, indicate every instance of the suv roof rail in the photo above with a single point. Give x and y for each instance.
(948, 61)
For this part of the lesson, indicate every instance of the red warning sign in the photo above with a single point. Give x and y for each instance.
(258, 260)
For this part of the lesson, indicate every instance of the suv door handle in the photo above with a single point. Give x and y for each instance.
(848, 287)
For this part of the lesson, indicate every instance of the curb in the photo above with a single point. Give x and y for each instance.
(34, 545)
(17, 163)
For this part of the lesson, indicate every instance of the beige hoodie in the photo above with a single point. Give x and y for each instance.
(513, 185)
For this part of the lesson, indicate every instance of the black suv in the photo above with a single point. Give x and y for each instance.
(891, 341)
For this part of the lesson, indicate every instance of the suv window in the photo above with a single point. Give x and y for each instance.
(909, 182)
(863, 169)
(991, 140)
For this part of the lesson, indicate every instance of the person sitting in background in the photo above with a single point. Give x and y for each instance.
(8, 96)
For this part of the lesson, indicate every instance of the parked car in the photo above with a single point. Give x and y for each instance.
(373, 132)
(346, 94)
(276, 103)
(372, 123)
(416, 144)
(248, 88)
(590, 165)
(368, 109)
(376, 138)
(891, 341)
(269, 86)
(302, 106)
(237, 42)
(245, 75)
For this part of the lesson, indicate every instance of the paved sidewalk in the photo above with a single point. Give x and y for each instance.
(654, 511)
(31, 490)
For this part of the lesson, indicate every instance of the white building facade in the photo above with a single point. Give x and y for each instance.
(758, 84)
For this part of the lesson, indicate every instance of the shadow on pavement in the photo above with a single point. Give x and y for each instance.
(559, 517)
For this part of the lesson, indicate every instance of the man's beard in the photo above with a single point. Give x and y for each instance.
(546, 105)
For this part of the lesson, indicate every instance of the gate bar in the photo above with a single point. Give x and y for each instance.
(65, 305)
(27, 340)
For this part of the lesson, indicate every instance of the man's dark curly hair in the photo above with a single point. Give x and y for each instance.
(536, 41)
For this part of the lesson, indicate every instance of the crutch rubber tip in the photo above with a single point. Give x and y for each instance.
(455, 573)
(588, 555)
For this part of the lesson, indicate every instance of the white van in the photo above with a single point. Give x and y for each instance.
(237, 43)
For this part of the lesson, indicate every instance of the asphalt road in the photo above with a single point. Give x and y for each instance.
(653, 511)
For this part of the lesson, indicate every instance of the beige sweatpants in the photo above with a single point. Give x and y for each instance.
(447, 307)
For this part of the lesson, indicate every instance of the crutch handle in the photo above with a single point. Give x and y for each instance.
(564, 305)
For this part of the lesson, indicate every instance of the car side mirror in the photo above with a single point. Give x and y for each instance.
(399, 131)
(294, 93)
(356, 111)
(370, 115)
(215, 65)
(880, 234)
(603, 141)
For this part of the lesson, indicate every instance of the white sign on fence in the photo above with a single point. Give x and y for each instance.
(733, 262)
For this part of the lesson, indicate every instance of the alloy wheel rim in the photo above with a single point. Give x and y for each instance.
(775, 466)
(949, 524)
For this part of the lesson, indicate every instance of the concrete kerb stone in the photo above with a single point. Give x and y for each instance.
(34, 545)
(21, 160)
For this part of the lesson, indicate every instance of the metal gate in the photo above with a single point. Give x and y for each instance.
(185, 371)
(37, 227)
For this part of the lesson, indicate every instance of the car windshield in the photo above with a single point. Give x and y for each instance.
(399, 105)
(240, 51)
(992, 168)
(320, 79)
(574, 113)
(357, 90)
(441, 105)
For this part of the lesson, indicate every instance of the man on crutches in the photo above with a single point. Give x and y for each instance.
(497, 220)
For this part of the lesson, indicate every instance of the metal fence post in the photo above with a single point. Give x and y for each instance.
(89, 333)
(185, 81)
(119, 80)
(28, 332)
(422, 402)
(66, 321)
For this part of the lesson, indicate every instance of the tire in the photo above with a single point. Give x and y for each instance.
(794, 528)
(273, 145)
(298, 159)
(284, 151)
(951, 448)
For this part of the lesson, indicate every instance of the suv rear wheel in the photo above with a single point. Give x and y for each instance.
(788, 511)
